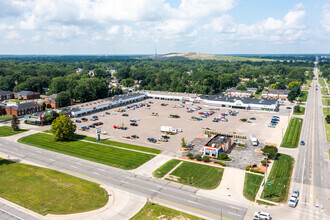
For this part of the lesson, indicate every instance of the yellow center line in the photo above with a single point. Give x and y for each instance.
(193, 208)
(83, 175)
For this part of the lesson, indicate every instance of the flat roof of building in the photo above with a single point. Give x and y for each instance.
(218, 140)
(182, 94)
(234, 99)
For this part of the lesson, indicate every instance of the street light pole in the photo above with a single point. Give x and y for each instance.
(266, 167)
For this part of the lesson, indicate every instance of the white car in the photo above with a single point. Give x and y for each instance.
(293, 202)
(179, 130)
(262, 215)
(136, 119)
(102, 115)
(295, 193)
(114, 113)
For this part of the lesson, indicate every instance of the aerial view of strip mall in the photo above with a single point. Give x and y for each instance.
(164, 110)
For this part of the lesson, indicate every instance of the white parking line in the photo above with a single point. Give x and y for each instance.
(73, 166)
(233, 214)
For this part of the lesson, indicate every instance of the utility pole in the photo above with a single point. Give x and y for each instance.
(266, 167)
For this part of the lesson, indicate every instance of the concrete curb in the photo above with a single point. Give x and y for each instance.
(22, 209)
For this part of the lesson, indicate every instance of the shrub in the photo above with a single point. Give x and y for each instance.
(270, 150)
(190, 156)
(206, 158)
(296, 109)
(327, 119)
(48, 106)
(264, 162)
(241, 145)
(221, 163)
(257, 171)
(247, 168)
(223, 155)
(183, 143)
(198, 157)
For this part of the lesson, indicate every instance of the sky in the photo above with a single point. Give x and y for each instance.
(113, 27)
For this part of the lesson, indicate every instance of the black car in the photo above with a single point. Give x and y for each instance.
(84, 119)
(133, 124)
(165, 136)
(92, 126)
(134, 136)
(107, 113)
(78, 121)
(125, 114)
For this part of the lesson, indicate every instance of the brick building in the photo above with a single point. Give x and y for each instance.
(217, 144)
(2, 109)
(275, 94)
(6, 95)
(27, 95)
(23, 108)
(51, 101)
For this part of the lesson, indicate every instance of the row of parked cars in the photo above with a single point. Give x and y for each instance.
(164, 138)
(274, 121)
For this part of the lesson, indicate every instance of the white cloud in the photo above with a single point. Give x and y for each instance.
(11, 8)
(64, 31)
(326, 17)
(224, 23)
(295, 18)
(113, 30)
(12, 35)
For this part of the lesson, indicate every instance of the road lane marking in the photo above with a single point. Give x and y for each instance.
(73, 166)
(233, 214)
(15, 216)
(209, 213)
(82, 175)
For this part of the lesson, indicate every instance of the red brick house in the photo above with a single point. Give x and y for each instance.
(51, 100)
(23, 108)
(2, 110)
(27, 95)
(6, 95)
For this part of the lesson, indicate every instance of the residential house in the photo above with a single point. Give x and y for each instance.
(23, 108)
(6, 95)
(27, 95)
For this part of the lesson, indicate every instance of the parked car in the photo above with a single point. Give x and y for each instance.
(136, 119)
(272, 125)
(288, 107)
(132, 120)
(179, 130)
(302, 143)
(276, 117)
(134, 136)
(92, 126)
(166, 136)
(78, 121)
(133, 124)
(84, 119)
(94, 116)
(224, 119)
(102, 115)
(215, 120)
(93, 119)
(162, 140)
(153, 140)
(293, 202)
(262, 215)
(114, 113)
(107, 113)
(84, 128)
(295, 193)
(253, 118)
(190, 145)
(125, 114)
(243, 119)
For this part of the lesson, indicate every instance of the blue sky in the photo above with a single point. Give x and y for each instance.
(139, 26)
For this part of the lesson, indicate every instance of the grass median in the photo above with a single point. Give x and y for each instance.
(165, 168)
(197, 175)
(301, 111)
(30, 186)
(292, 134)
(7, 131)
(303, 96)
(251, 185)
(326, 111)
(279, 178)
(152, 211)
(327, 130)
(326, 102)
(107, 155)
(120, 144)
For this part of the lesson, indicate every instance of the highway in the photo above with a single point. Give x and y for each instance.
(311, 175)
(157, 190)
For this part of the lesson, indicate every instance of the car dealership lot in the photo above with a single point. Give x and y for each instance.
(150, 119)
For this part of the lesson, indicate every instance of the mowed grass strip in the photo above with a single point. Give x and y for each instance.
(7, 131)
(251, 185)
(119, 144)
(326, 102)
(279, 177)
(303, 96)
(326, 111)
(327, 130)
(152, 211)
(107, 155)
(198, 175)
(302, 111)
(165, 168)
(292, 134)
(30, 186)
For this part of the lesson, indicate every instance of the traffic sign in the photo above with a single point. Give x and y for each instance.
(269, 184)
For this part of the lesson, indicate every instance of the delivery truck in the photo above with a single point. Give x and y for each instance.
(254, 140)
(169, 129)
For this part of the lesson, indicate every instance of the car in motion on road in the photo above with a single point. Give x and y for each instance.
(293, 202)
(295, 193)
(262, 215)
(302, 143)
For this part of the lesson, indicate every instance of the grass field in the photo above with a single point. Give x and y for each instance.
(5, 117)
(321, 82)
(303, 96)
(302, 111)
(324, 91)
(279, 177)
(7, 131)
(251, 185)
(198, 175)
(31, 186)
(152, 211)
(119, 144)
(165, 168)
(111, 156)
(326, 111)
(292, 134)
(326, 102)
(327, 129)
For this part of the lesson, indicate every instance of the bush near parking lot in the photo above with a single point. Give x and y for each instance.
(251, 185)
(257, 171)
(107, 155)
(221, 163)
(198, 157)
(198, 175)
(279, 177)
(271, 151)
(190, 156)
(292, 134)
(165, 168)
(206, 158)
(30, 186)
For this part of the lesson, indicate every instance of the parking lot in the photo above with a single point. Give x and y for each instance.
(153, 117)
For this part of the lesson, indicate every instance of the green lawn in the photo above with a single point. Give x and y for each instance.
(292, 134)
(119, 144)
(302, 111)
(326, 102)
(324, 91)
(5, 117)
(279, 177)
(326, 111)
(303, 96)
(30, 186)
(111, 156)
(327, 129)
(251, 185)
(257, 95)
(308, 82)
(152, 211)
(321, 81)
(198, 175)
(7, 131)
(305, 88)
(165, 168)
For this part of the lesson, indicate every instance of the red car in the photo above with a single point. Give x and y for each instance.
(115, 127)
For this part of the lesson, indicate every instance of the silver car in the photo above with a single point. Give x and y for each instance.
(293, 202)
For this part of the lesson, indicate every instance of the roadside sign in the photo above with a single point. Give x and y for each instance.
(269, 184)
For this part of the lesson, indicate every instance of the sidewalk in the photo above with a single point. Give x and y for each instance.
(20, 135)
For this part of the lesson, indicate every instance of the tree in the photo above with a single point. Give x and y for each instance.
(327, 119)
(293, 84)
(14, 123)
(223, 155)
(183, 143)
(241, 87)
(127, 82)
(198, 157)
(43, 106)
(264, 162)
(251, 84)
(280, 85)
(294, 93)
(272, 86)
(49, 117)
(296, 109)
(190, 155)
(270, 150)
(63, 99)
(63, 129)
(48, 105)
(206, 158)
